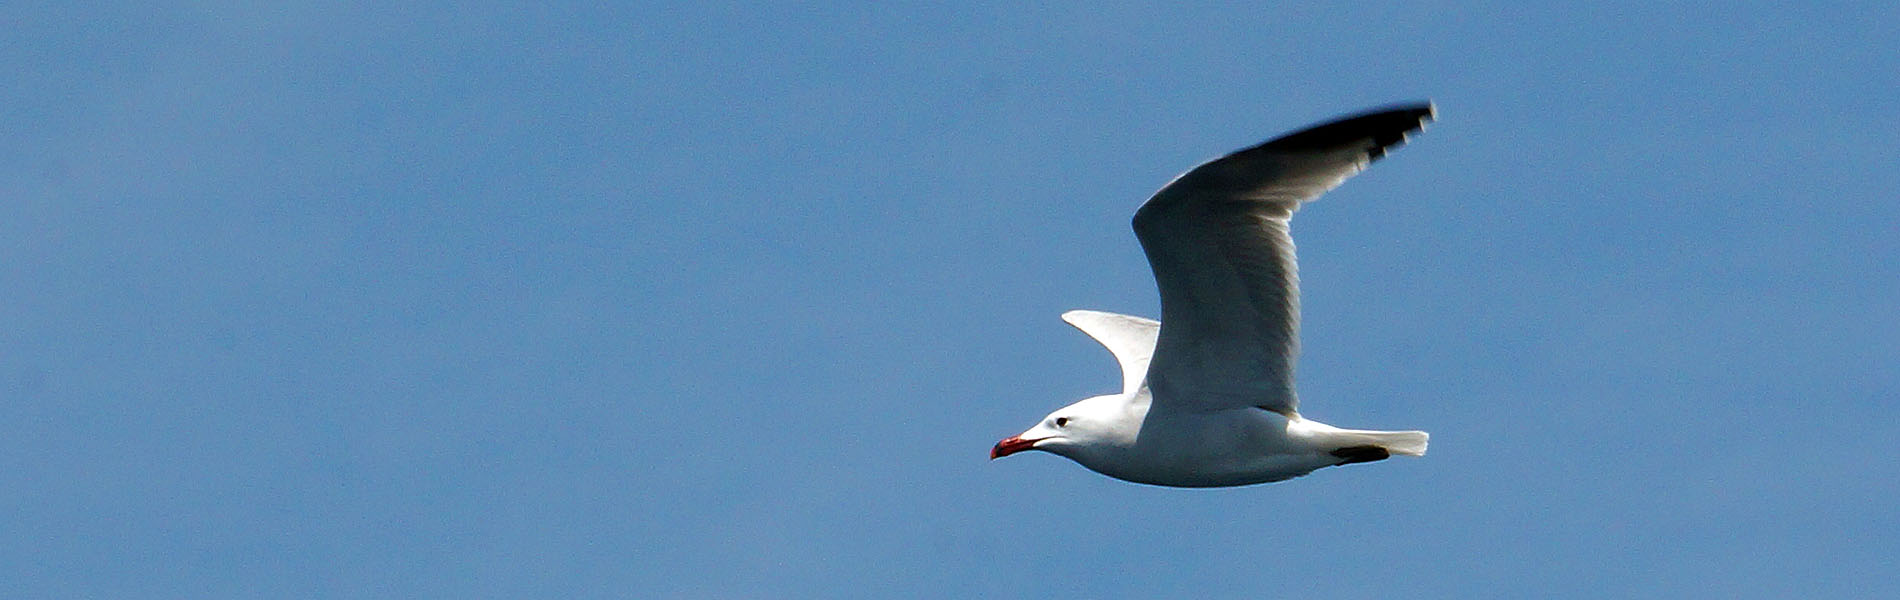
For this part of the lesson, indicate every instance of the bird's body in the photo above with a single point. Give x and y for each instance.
(1207, 449)
(1208, 397)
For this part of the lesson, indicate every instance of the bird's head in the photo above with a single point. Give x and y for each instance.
(1079, 430)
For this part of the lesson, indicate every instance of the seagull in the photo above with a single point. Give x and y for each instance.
(1207, 394)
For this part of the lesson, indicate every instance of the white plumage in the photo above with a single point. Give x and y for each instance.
(1208, 396)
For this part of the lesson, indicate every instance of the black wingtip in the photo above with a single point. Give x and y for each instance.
(1386, 127)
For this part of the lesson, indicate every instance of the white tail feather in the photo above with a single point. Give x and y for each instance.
(1403, 443)
(1407, 443)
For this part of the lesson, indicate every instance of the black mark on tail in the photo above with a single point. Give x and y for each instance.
(1359, 454)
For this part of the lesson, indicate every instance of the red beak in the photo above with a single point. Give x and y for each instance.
(1011, 445)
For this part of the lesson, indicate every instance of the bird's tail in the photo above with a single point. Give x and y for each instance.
(1406, 443)
(1403, 443)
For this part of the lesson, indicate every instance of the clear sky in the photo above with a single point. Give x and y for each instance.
(726, 301)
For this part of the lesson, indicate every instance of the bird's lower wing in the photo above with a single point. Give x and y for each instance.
(1218, 242)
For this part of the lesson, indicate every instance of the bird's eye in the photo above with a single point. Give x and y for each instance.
(1062, 421)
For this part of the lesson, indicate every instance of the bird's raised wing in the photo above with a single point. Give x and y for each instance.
(1131, 339)
(1217, 239)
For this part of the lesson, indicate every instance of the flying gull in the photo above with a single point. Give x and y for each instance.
(1207, 394)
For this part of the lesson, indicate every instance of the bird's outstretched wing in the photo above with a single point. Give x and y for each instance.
(1217, 240)
(1131, 339)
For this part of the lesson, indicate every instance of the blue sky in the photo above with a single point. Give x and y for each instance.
(717, 301)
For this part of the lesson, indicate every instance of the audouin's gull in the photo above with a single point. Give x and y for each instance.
(1207, 393)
